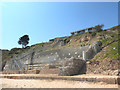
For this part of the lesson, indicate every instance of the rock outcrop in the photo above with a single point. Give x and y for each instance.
(71, 66)
(93, 50)
(86, 38)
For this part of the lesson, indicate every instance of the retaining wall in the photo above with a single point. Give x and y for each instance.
(55, 56)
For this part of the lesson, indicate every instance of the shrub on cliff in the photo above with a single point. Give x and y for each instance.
(93, 33)
(99, 27)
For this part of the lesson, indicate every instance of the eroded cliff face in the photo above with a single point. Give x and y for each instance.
(3, 58)
(54, 56)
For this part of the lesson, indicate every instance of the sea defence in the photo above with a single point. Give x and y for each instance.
(53, 57)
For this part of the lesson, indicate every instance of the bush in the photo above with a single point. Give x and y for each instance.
(90, 32)
(105, 30)
(93, 33)
(83, 44)
(72, 33)
(99, 27)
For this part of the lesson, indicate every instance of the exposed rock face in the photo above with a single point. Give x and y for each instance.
(97, 46)
(3, 58)
(105, 67)
(104, 37)
(49, 69)
(62, 42)
(93, 50)
(101, 37)
(71, 66)
(108, 36)
(86, 38)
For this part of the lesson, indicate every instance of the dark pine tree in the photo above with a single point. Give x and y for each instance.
(24, 40)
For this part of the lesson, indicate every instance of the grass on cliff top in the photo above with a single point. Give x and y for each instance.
(110, 52)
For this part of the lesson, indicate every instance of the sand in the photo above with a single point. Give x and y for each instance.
(31, 83)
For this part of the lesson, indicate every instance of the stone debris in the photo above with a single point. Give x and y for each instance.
(71, 66)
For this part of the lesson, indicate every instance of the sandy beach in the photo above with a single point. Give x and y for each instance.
(31, 83)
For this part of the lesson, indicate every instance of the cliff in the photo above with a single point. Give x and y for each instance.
(91, 46)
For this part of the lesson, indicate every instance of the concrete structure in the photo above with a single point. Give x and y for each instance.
(84, 30)
(51, 40)
(71, 66)
(83, 78)
(53, 56)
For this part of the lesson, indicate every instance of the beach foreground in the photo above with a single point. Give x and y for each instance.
(31, 83)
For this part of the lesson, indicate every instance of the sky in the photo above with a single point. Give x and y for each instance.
(46, 20)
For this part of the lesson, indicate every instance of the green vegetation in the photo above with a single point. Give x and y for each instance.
(115, 27)
(110, 52)
(72, 33)
(93, 33)
(99, 27)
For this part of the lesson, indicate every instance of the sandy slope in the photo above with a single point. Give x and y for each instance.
(23, 83)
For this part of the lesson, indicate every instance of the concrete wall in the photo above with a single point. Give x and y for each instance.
(48, 57)
(56, 56)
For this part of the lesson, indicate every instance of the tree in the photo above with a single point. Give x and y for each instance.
(24, 40)
(72, 33)
(99, 27)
